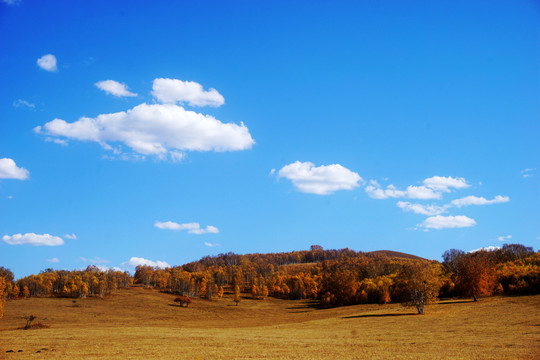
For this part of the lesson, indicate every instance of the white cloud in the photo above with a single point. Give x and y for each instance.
(432, 189)
(476, 200)
(429, 210)
(487, 248)
(322, 180)
(172, 91)
(47, 62)
(53, 260)
(136, 261)
(12, 2)
(444, 222)
(114, 88)
(158, 130)
(33, 239)
(527, 172)
(192, 228)
(211, 245)
(9, 170)
(104, 268)
(441, 183)
(375, 191)
(71, 236)
(20, 103)
(504, 238)
(95, 260)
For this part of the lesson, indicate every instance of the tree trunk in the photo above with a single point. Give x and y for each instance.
(420, 308)
(475, 297)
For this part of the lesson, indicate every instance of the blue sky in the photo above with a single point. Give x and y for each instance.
(159, 133)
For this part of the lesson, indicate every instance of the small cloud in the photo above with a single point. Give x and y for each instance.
(319, 180)
(71, 236)
(445, 222)
(192, 228)
(528, 172)
(429, 210)
(504, 238)
(47, 62)
(53, 260)
(272, 172)
(211, 245)
(136, 261)
(10, 197)
(476, 200)
(20, 103)
(114, 88)
(10, 170)
(95, 260)
(172, 91)
(33, 239)
(11, 2)
(442, 183)
(487, 248)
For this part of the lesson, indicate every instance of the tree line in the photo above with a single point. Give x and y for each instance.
(333, 277)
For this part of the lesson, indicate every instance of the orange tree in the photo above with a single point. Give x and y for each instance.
(476, 274)
(419, 284)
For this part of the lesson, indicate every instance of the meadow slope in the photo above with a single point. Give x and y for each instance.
(139, 323)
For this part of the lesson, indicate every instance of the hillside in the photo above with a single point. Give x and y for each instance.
(395, 254)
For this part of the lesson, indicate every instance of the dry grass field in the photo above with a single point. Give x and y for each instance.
(145, 324)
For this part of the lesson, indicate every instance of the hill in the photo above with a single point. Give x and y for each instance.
(395, 254)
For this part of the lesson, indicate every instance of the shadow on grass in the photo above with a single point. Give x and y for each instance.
(376, 315)
(450, 302)
(306, 305)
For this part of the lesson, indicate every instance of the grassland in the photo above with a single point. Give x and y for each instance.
(139, 323)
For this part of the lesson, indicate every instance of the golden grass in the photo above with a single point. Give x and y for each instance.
(144, 324)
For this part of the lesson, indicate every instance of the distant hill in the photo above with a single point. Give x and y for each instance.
(395, 254)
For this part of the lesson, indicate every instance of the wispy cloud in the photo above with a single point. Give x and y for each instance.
(136, 261)
(504, 238)
(528, 172)
(478, 200)
(192, 228)
(416, 208)
(53, 260)
(20, 103)
(95, 260)
(212, 245)
(432, 188)
(71, 236)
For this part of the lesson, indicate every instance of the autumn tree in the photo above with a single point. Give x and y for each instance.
(26, 292)
(2, 295)
(220, 292)
(419, 283)
(476, 274)
(236, 298)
